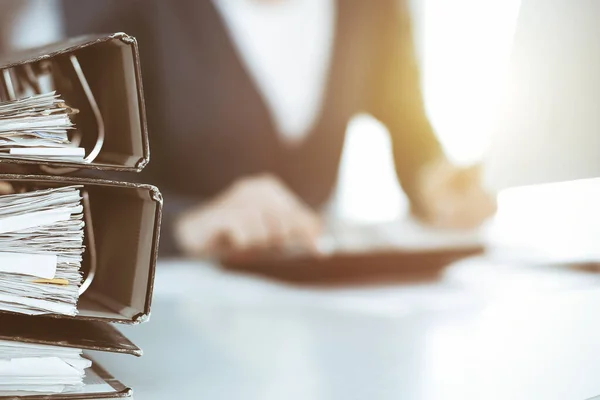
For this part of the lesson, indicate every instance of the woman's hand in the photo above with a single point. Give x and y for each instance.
(255, 213)
(453, 197)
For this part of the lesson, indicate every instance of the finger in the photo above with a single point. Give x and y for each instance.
(479, 215)
(280, 214)
(236, 232)
(204, 232)
(466, 212)
(307, 230)
(471, 174)
(478, 203)
(278, 227)
(459, 217)
(289, 222)
(257, 229)
(298, 224)
(474, 170)
(290, 225)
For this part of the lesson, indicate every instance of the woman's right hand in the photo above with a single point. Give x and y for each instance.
(254, 213)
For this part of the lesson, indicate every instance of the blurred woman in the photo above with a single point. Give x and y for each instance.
(248, 103)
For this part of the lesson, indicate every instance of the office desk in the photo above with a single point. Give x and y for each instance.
(213, 335)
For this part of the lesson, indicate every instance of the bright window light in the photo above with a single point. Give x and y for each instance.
(466, 50)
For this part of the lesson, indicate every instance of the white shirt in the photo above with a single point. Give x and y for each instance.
(286, 47)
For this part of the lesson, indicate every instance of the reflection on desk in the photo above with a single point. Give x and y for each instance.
(216, 335)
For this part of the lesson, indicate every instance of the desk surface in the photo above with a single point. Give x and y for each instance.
(213, 335)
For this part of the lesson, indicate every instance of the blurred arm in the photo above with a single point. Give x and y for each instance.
(396, 99)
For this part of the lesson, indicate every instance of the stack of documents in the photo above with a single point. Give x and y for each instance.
(50, 308)
(36, 127)
(28, 367)
(41, 248)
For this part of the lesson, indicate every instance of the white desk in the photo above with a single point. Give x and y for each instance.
(218, 336)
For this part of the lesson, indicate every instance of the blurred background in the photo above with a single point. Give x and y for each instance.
(473, 95)
(512, 86)
(462, 78)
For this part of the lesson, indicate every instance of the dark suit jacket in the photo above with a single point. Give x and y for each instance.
(209, 124)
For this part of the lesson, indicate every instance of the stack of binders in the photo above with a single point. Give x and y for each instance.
(77, 253)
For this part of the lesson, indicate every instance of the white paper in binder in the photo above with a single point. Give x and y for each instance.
(36, 127)
(41, 250)
(36, 368)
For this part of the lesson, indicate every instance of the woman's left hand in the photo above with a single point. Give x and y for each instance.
(453, 197)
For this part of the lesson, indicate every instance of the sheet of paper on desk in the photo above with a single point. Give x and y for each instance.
(405, 235)
(41, 248)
